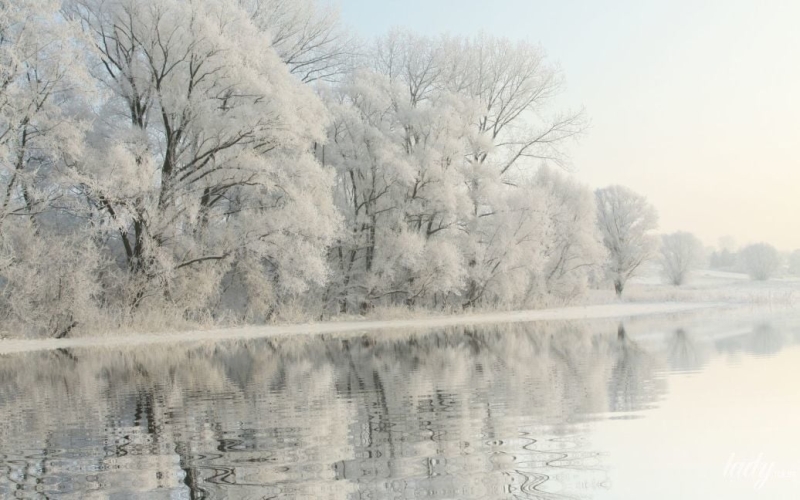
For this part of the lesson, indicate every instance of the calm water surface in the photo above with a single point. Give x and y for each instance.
(703, 409)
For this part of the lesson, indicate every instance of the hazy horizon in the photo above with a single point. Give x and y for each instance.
(690, 104)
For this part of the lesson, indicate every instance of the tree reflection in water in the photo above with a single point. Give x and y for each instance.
(488, 412)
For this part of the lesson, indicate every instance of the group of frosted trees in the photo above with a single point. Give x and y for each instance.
(433, 142)
(159, 151)
(233, 160)
(761, 261)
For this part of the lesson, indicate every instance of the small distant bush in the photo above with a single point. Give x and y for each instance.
(760, 260)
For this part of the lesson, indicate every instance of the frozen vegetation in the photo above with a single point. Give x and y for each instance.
(167, 164)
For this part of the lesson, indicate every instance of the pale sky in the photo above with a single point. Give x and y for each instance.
(693, 103)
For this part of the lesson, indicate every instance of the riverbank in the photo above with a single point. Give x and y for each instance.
(601, 311)
(645, 295)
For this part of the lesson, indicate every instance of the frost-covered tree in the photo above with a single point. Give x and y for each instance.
(40, 72)
(681, 252)
(199, 165)
(515, 128)
(396, 143)
(543, 246)
(760, 260)
(49, 263)
(626, 220)
(572, 244)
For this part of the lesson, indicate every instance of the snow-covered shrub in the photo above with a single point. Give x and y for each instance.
(761, 260)
(48, 282)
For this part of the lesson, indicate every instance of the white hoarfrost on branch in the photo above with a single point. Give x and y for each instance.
(307, 36)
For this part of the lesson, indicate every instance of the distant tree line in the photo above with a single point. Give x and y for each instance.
(761, 261)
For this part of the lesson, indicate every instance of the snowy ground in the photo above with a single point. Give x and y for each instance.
(708, 286)
(645, 295)
(617, 310)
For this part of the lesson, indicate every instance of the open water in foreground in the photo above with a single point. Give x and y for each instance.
(656, 409)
